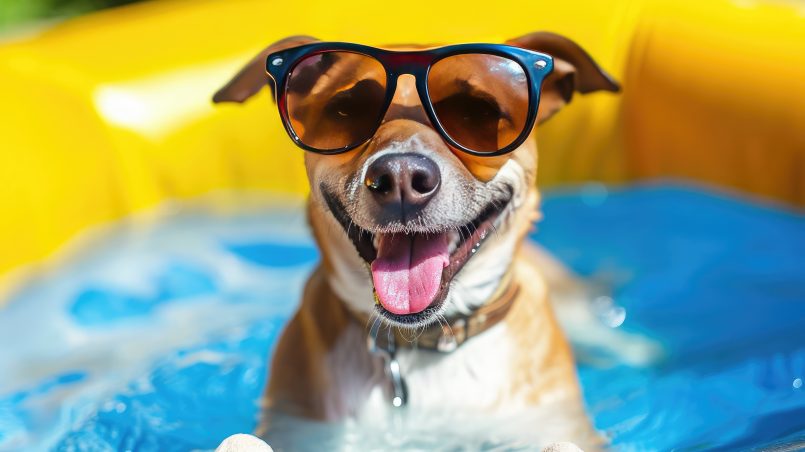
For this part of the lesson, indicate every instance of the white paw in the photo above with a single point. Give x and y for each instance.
(562, 447)
(242, 442)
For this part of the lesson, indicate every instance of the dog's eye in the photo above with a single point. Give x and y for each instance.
(471, 118)
(359, 101)
(469, 108)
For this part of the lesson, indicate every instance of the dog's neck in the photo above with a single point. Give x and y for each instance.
(450, 332)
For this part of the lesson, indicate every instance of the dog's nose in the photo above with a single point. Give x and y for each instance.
(403, 181)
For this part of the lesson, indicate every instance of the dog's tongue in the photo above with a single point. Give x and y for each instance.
(408, 270)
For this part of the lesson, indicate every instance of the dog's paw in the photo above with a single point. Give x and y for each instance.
(562, 447)
(242, 442)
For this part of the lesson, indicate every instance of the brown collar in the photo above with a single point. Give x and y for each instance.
(446, 337)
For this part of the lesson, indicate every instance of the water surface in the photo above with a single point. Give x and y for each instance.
(157, 336)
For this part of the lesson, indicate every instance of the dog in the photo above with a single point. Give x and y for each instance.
(476, 331)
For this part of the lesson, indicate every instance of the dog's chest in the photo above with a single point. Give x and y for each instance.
(475, 376)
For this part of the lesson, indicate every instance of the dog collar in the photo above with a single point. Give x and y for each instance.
(444, 337)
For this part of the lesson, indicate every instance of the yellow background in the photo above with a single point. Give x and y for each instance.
(109, 114)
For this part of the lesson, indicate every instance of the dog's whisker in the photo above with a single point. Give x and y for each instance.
(404, 333)
(494, 230)
(465, 232)
(444, 323)
(371, 322)
(419, 331)
(349, 226)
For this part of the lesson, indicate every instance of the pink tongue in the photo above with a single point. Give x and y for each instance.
(408, 270)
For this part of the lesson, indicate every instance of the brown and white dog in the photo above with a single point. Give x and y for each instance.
(489, 341)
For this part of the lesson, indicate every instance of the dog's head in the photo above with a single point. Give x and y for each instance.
(430, 229)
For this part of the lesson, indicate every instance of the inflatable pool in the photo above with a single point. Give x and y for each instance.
(159, 337)
(153, 246)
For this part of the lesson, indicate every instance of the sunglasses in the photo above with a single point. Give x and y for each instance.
(481, 98)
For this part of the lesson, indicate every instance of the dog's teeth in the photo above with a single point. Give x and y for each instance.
(454, 239)
(376, 240)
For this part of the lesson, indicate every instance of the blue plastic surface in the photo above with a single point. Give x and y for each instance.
(164, 345)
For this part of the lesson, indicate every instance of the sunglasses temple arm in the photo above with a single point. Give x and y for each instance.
(272, 84)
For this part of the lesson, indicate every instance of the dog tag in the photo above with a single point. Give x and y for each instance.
(387, 351)
(399, 397)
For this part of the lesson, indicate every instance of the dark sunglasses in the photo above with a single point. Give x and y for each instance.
(481, 98)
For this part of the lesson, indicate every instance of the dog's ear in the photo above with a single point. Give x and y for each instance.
(252, 78)
(573, 70)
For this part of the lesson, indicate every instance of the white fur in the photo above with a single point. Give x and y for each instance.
(437, 380)
(482, 273)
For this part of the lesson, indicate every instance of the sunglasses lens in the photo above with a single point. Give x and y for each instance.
(480, 100)
(335, 99)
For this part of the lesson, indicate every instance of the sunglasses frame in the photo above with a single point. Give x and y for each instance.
(536, 66)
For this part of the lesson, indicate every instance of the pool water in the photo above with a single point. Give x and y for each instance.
(155, 335)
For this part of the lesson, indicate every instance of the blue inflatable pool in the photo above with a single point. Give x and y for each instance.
(158, 336)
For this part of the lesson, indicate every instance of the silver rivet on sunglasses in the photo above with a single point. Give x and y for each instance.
(276, 61)
(540, 64)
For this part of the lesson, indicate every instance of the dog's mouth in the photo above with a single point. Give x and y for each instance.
(412, 271)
